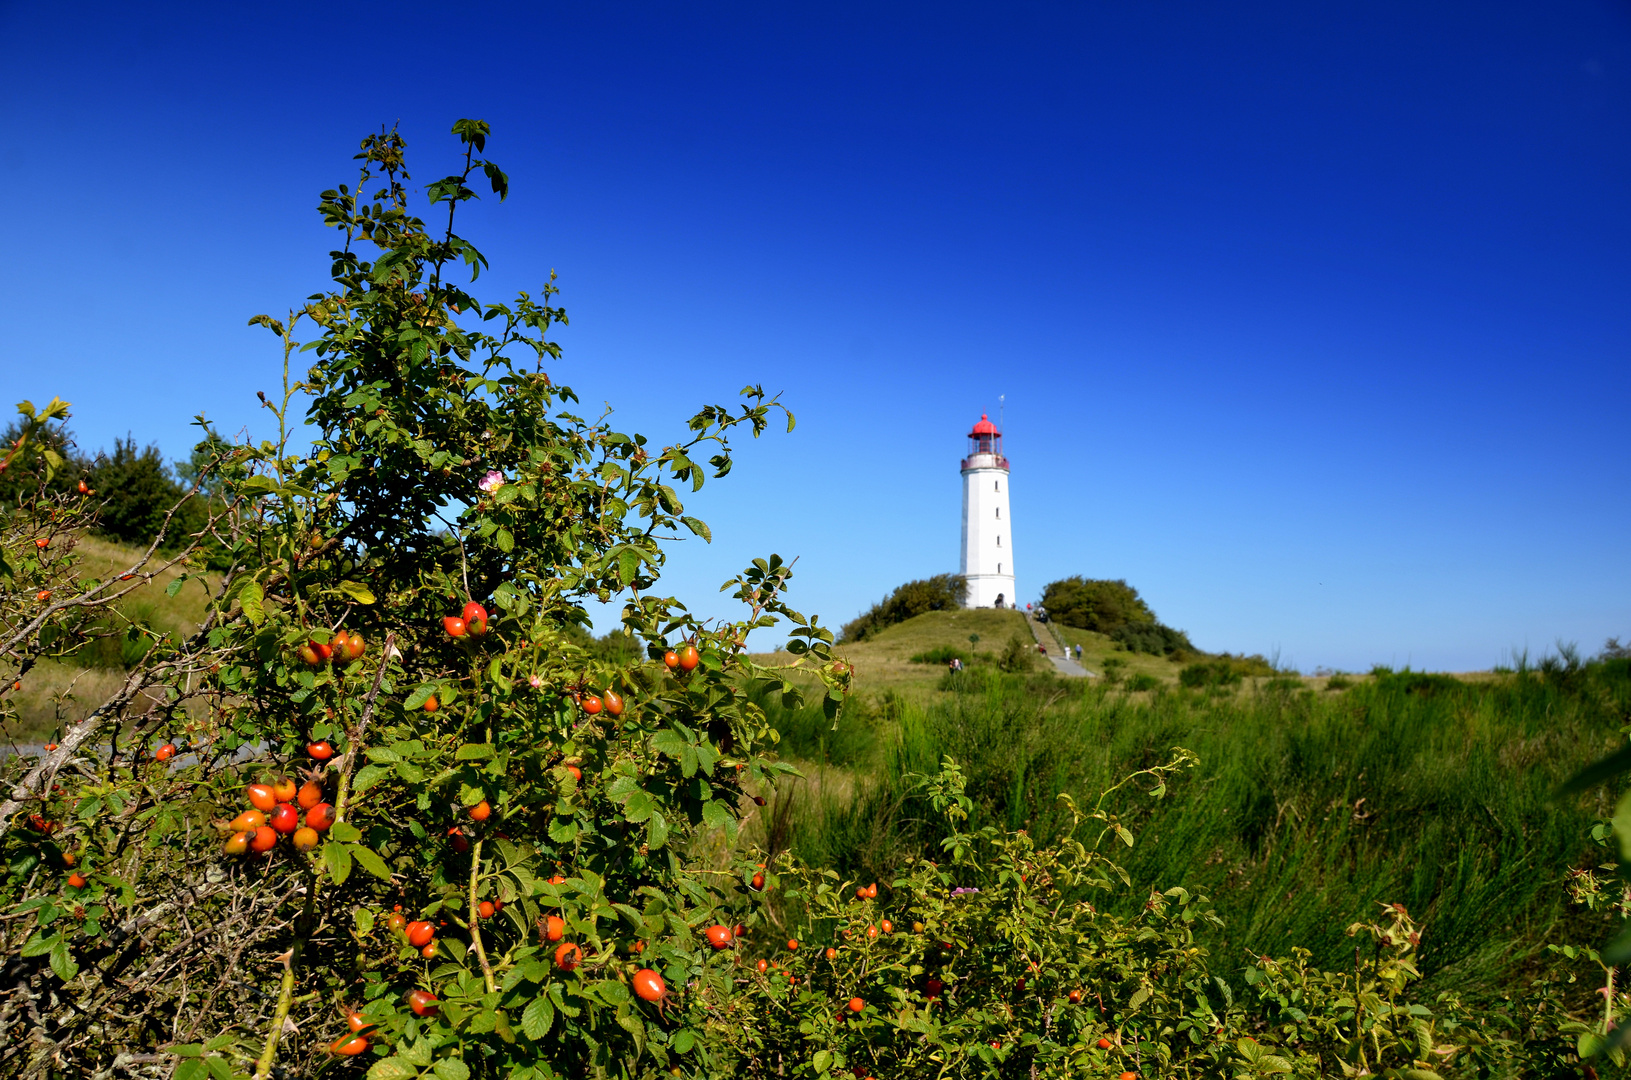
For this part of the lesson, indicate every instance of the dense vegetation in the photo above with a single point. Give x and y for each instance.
(387, 808)
(1306, 811)
(942, 592)
(1114, 608)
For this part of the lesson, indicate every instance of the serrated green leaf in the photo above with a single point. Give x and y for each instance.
(371, 861)
(537, 1018)
(451, 1069)
(392, 1068)
(61, 962)
(367, 777)
(700, 527)
(337, 858)
(656, 831)
(474, 752)
(360, 593)
(253, 601)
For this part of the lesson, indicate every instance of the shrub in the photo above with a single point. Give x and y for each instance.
(998, 958)
(464, 763)
(1209, 673)
(1338, 682)
(943, 654)
(1113, 670)
(943, 592)
(136, 489)
(1152, 638)
(1018, 655)
(1142, 681)
(1101, 606)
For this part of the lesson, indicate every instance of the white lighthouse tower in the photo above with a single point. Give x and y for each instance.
(988, 539)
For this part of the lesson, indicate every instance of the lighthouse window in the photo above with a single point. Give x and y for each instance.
(999, 568)
(999, 512)
(999, 540)
(997, 484)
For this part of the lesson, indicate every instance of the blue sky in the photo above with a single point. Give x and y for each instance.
(1312, 319)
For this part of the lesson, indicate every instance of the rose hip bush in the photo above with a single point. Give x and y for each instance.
(392, 771)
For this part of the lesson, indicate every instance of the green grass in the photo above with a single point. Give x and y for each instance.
(1308, 809)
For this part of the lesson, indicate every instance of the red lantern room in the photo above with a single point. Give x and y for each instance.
(986, 439)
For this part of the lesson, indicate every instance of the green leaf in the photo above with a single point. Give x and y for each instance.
(253, 601)
(822, 1061)
(338, 859)
(451, 1069)
(371, 862)
(364, 920)
(367, 777)
(360, 593)
(506, 542)
(656, 831)
(61, 962)
(392, 1068)
(537, 1018)
(419, 696)
(189, 1070)
(345, 832)
(40, 943)
(715, 813)
(474, 752)
(700, 527)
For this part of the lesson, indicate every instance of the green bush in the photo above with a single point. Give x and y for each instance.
(943, 592)
(1000, 956)
(1142, 681)
(1209, 673)
(944, 654)
(1019, 655)
(1338, 682)
(1154, 639)
(1100, 606)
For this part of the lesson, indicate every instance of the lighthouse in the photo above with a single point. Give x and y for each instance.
(988, 539)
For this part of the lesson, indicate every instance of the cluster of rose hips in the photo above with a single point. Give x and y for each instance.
(420, 933)
(471, 622)
(275, 811)
(685, 658)
(421, 1002)
(347, 646)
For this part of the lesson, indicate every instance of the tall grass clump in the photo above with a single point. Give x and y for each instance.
(1306, 812)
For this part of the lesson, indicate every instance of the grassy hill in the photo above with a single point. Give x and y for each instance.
(884, 661)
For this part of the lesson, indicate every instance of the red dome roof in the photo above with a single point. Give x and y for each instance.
(984, 427)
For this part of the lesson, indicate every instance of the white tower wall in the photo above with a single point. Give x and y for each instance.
(988, 542)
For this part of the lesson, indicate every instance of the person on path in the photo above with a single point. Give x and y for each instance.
(1078, 654)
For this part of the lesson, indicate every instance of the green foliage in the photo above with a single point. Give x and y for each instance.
(1101, 606)
(1224, 670)
(943, 654)
(997, 955)
(446, 469)
(1019, 655)
(1154, 639)
(1304, 814)
(939, 593)
(37, 454)
(1142, 681)
(137, 490)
